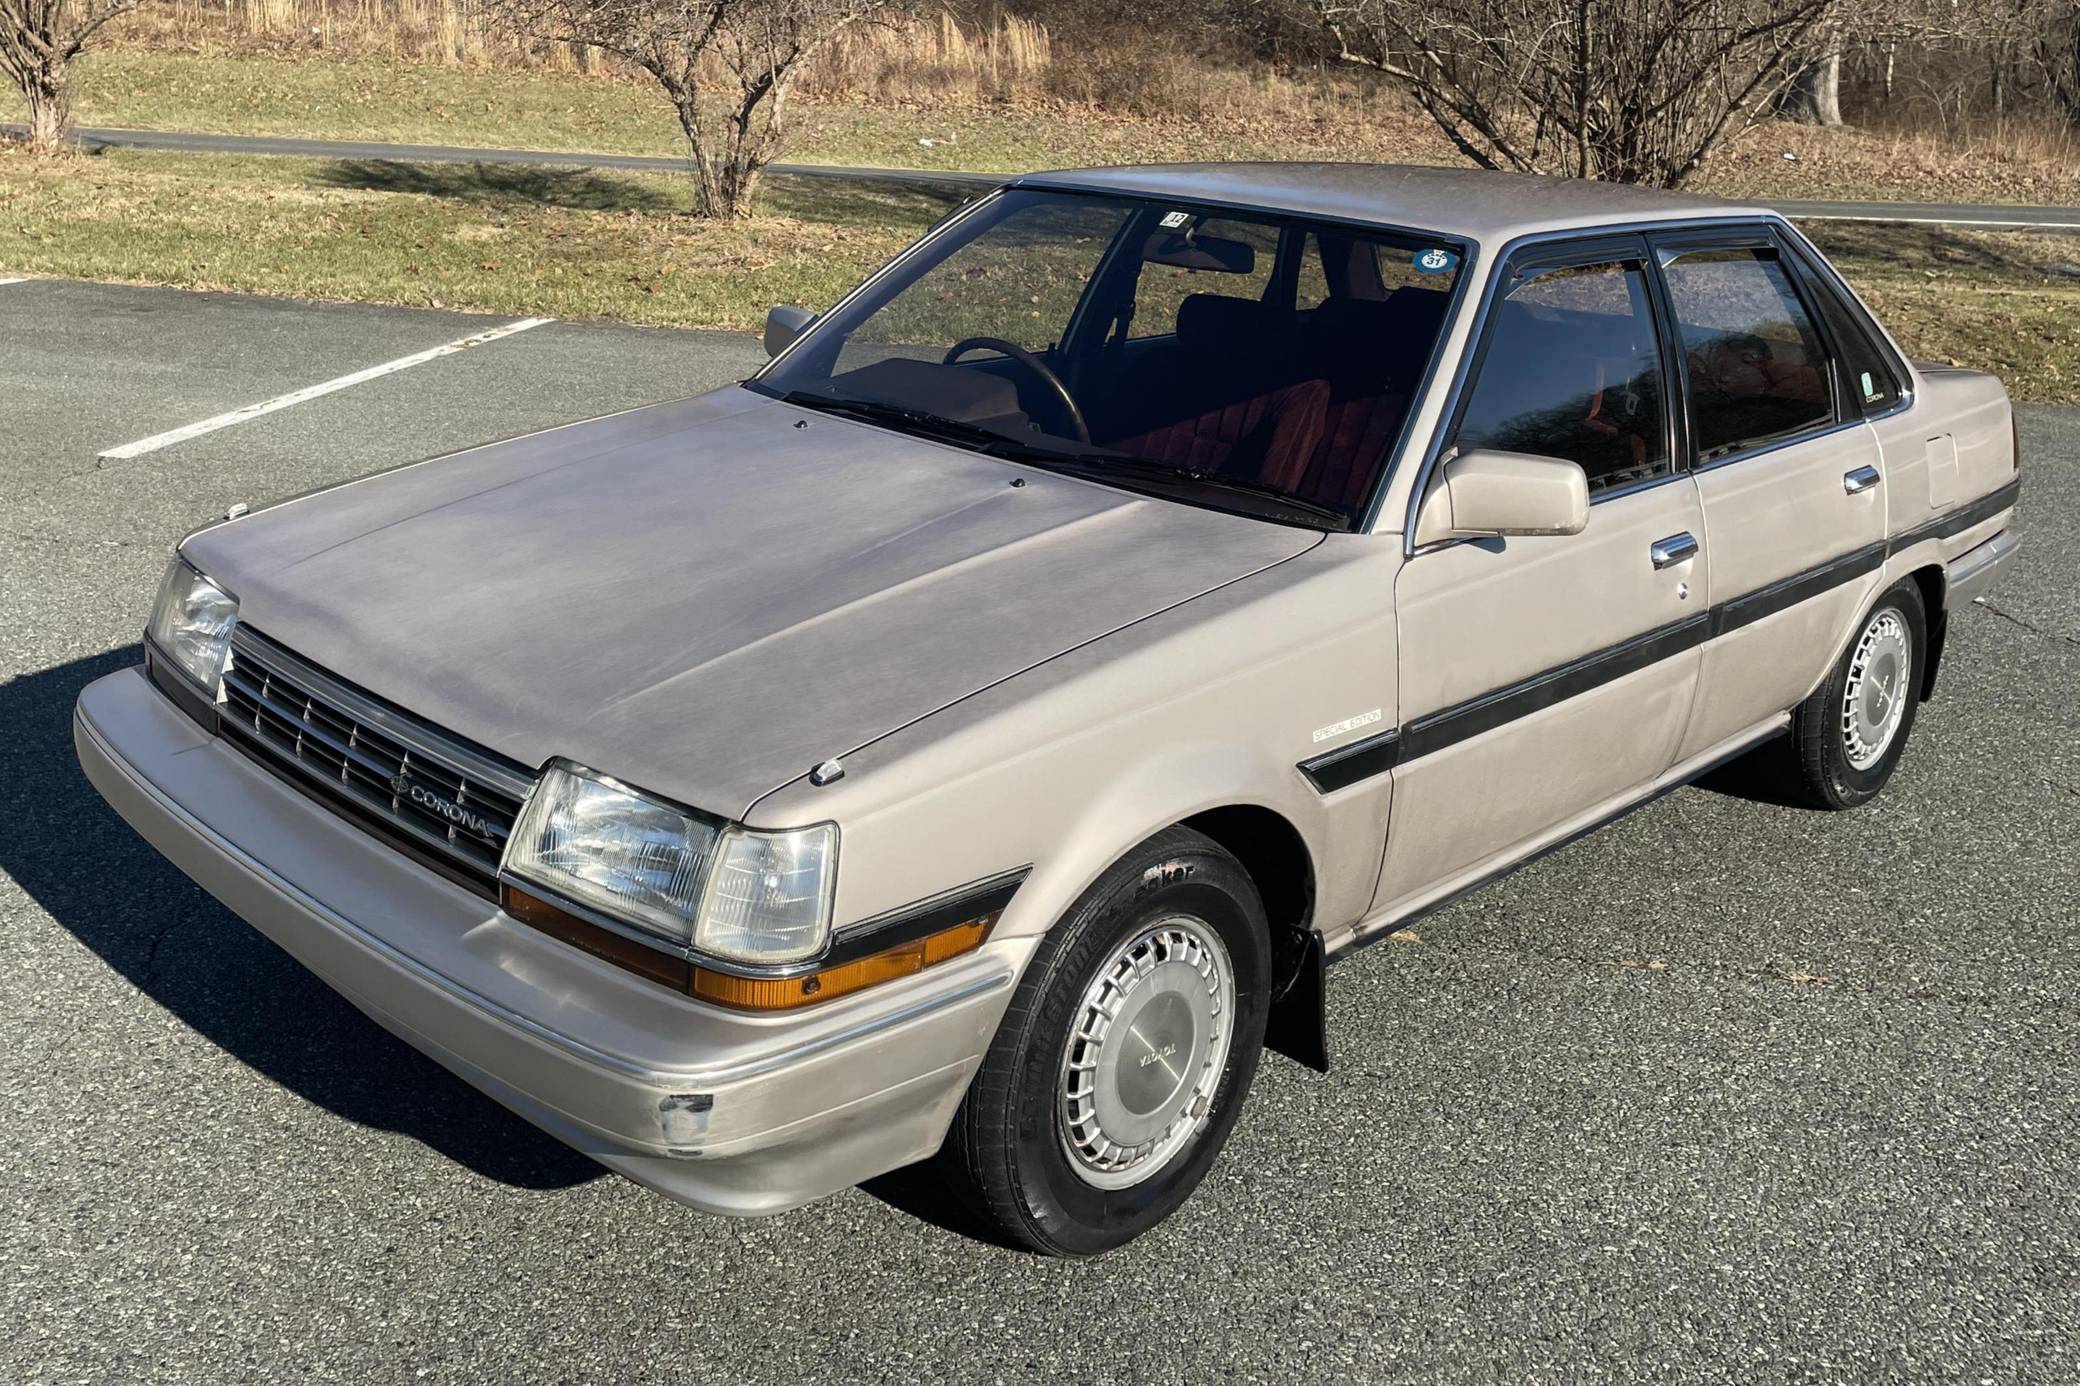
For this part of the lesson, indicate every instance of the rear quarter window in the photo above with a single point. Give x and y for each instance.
(1867, 370)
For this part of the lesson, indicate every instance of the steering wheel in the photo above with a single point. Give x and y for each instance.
(1070, 409)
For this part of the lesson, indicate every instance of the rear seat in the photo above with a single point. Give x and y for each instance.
(1370, 351)
(1743, 389)
(1309, 404)
(1234, 406)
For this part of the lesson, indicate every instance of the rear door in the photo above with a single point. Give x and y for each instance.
(1790, 478)
(1543, 677)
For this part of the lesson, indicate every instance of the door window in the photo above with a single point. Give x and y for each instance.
(1758, 373)
(1572, 369)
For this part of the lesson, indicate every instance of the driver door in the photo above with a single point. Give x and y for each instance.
(1543, 678)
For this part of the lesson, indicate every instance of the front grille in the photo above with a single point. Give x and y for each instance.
(448, 803)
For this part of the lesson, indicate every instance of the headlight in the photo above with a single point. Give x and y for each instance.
(735, 893)
(769, 895)
(191, 624)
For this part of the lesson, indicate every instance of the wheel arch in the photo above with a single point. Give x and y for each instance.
(1934, 583)
(1273, 852)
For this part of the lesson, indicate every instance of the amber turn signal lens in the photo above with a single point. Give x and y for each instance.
(749, 993)
(784, 994)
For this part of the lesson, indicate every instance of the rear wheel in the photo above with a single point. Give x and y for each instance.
(1123, 1060)
(1849, 735)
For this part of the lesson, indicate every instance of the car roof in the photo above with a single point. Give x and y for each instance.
(1470, 203)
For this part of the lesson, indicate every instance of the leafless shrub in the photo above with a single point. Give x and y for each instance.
(1636, 91)
(728, 67)
(38, 39)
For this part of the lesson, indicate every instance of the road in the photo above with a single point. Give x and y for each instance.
(1729, 1092)
(1992, 215)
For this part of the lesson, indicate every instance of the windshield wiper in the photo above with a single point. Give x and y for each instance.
(1124, 467)
(925, 424)
(893, 416)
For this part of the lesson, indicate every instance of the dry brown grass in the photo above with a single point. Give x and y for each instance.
(935, 58)
(931, 63)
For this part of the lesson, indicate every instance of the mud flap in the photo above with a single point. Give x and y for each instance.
(1297, 1027)
(1938, 632)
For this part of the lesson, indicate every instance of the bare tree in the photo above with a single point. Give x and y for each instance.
(1635, 91)
(727, 66)
(1814, 95)
(2055, 47)
(38, 38)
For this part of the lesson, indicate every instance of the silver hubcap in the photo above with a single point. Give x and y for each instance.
(1875, 698)
(1145, 1056)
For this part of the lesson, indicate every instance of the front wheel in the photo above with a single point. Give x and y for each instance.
(1849, 735)
(1124, 1057)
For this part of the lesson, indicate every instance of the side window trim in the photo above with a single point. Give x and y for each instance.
(1538, 258)
(1670, 246)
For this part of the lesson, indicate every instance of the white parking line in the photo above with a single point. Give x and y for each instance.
(268, 406)
(16, 280)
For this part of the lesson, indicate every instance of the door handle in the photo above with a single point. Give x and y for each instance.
(1860, 480)
(1676, 548)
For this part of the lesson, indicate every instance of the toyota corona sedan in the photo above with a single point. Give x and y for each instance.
(974, 735)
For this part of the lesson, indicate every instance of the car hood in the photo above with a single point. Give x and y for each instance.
(708, 597)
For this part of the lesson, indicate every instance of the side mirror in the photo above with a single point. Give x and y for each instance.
(784, 323)
(1484, 493)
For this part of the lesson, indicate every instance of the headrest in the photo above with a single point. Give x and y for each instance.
(1402, 314)
(1210, 323)
(1382, 340)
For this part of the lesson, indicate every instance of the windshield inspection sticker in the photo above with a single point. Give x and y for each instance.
(1363, 719)
(1173, 220)
(1435, 260)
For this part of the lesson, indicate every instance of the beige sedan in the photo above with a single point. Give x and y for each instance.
(972, 737)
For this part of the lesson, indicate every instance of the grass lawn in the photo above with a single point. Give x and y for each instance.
(2008, 302)
(559, 243)
(579, 244)
(358, 98)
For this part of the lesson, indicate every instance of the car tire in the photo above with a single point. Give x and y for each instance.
(1080, 1131)
(1848, 736)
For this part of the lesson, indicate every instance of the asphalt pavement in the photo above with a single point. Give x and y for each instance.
(1729, 1092)
(1991, 215)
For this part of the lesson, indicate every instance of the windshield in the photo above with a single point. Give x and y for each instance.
(1246, 361)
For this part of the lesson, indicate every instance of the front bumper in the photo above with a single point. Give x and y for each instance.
(730, 1113)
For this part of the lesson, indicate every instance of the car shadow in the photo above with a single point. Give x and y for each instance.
(78, 860)
(911, 204)
(577, 189)
(1760, 776)
(920, 1191)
